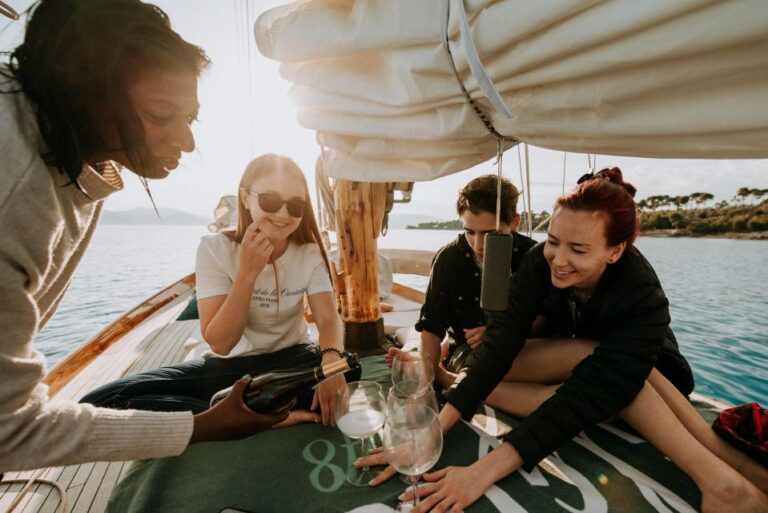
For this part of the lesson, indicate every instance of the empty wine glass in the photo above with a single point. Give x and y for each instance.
(360, 411)
(414, 366)
(412, 393)
(413, 442)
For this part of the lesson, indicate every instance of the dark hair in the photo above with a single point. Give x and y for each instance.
(76, 61)
(606, 192)
(479, 195)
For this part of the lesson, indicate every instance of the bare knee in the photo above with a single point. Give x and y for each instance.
(520, 399)
(549, 361)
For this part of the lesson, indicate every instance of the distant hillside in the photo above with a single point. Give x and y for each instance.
(721, 219)
(400, 221)
(149, 216)
(437, 225)
(456, 224)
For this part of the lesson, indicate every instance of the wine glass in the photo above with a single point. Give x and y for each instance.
(360, 411)
(413, 442)
(415, 366)
(411, 393)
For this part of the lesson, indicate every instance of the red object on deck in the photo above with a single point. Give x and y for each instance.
(746, 428)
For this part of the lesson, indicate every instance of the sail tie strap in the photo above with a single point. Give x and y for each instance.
(476, 67)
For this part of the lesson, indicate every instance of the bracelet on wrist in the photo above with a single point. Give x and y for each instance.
(342, 354)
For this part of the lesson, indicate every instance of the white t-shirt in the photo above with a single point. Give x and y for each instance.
(272, 325)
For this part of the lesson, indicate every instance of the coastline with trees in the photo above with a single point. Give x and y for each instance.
(691, 215)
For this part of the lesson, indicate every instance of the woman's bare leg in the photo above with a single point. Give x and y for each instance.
(722, 487)
(518, 399)
(701, 430)
(541, 366)
(664, 417)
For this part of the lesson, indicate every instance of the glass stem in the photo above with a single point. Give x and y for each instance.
(362, 454)
(415, 484)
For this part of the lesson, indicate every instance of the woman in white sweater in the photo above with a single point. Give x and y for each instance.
(96, 85)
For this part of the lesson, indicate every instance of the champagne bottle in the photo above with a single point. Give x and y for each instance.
(276, 391)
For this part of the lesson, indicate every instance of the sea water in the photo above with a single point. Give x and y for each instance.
(716, 287)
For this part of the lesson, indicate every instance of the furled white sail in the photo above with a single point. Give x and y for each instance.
(654, 78)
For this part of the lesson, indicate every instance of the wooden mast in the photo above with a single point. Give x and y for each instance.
(359, 210)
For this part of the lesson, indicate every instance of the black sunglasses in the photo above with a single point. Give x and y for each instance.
(271, 202)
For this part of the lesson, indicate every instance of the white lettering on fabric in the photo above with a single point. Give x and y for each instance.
(651, 489)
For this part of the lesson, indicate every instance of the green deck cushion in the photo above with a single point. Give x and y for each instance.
(301, 469)
(190, 311)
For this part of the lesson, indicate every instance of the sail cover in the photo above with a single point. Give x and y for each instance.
(657, 78)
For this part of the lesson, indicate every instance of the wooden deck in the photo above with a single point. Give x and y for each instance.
(156, 341)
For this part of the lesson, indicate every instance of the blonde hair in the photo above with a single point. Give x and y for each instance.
(307, 232)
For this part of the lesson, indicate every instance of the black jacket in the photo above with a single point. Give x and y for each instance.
(627, 314)
(453, 294)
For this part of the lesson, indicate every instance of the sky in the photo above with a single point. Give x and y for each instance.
(246, 114)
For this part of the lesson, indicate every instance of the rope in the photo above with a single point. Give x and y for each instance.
(545, 221)
(522, 181)
(324, 192)
(35, 478)
(499, 155)
(250, 41)
(528, 189)
(565, 155)
(7, 10)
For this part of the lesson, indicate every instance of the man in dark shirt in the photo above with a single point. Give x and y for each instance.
(452, 303)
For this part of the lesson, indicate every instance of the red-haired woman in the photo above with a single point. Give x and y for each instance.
(610, 352)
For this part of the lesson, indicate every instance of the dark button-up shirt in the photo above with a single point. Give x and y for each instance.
(452, 301)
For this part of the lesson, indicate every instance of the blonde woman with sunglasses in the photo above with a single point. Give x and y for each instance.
(251, 284)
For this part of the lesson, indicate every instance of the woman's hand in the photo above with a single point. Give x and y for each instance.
(449, 489)
(455, 488)
(299, 417)
(231, 418)
(376, 458)
(474, 336)
(325, 397)
(390, 356)
(255, 252)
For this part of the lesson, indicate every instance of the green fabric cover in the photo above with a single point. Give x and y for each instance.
(302, 469)
(190, 311)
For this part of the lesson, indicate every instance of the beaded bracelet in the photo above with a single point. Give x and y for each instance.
(342, 354)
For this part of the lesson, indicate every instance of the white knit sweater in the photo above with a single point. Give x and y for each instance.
(45, 227)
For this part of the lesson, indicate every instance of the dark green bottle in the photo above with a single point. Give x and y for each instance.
(276, 391)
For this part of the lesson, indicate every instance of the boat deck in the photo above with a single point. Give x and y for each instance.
(150, 336)
(155, 341)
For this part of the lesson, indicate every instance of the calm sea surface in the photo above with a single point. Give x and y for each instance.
(717, 288)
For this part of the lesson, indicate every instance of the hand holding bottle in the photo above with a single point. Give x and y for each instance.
(296, 417)
(230, 418)
(276, 391)
(255, 252)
